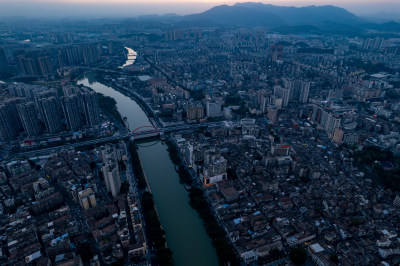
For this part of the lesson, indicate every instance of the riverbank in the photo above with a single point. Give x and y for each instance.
(132, 94)
(109, 105)
(137, 167)
(185, 232)
(154, 229)
(225, 250)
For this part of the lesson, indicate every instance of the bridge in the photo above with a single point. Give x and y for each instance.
(151, 131)
(142, 132)
(145, 132)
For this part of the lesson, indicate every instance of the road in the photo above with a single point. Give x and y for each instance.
(116, 137)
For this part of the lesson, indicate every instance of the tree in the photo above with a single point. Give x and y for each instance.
(274, 253)
(85, 250)
(124, 187)
(231, 173)
(164, 256)
(355, 221)
(334, 258)
(92, 165)
(298, 255)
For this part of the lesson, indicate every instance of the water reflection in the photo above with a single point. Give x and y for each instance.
(147, 143)
(185, 232)
(131, 57)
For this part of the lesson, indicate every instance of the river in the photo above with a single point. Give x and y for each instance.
(131, 57)
(185, 232)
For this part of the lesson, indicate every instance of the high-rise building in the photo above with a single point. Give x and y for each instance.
(91, 108)
(10, 123)
(3, 57)
(6, 129)
(45, 65)
(49, 108)
(69, 55)
(90, 54)
(290, 85)
(72, 112)
(338, 136)
(70, 90)
(189, 153)
(28, 115)
(25, 90)
(33, 64)
(325, 119)
(195, 112)
(108, 152)
(78, 54)
(280, 150)
(396, 201)
(267, 100)
(304, 91)
(27, 66)
(46, 93)
(87, 198)
(214, 169)
(272, 113)
(298, 90)
(332, 123)
(13, 112)
(213, 109)
(112, 177)
(282, 93)
(111, 46)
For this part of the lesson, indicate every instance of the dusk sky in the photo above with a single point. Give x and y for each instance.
(130, 8)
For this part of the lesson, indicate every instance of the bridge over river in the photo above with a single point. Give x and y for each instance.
(185, 232)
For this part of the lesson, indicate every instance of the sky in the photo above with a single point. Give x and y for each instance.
(132, 8)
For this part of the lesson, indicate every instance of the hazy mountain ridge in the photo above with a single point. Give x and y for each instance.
(238, 16)
(258, 14)
(309, 19)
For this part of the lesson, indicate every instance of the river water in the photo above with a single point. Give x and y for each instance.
(185, 233)
(131, 57)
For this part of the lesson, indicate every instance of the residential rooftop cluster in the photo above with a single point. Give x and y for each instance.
(293, 139)
(271, 194)
(65, 208)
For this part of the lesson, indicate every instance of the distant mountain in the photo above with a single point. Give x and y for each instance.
(287, 20)
(258, 14)
(237, 16)
(382, 17)
(388, 26)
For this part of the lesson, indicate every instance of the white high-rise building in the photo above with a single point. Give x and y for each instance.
(326, 120)
(189, 153)
(213, 109)
(112, 177)
(282, 93)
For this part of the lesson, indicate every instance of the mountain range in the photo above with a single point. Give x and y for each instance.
(258, 14)
(326, 18)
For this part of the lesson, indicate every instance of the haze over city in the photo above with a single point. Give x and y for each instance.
(199, 133)
(130, 8)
